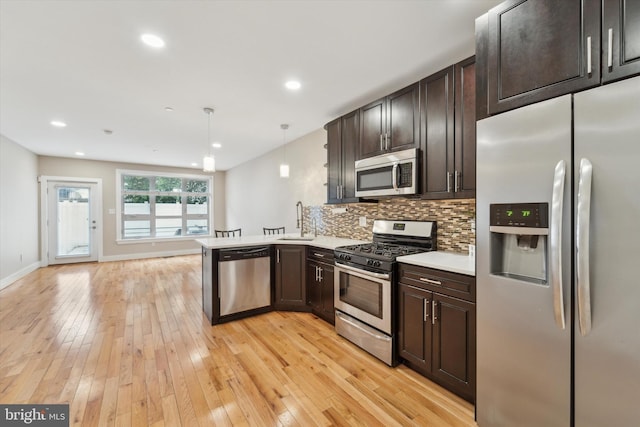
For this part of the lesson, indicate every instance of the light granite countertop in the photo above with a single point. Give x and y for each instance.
(447, 261)
(326, 242)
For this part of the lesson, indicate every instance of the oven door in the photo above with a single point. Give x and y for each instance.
(364, 295)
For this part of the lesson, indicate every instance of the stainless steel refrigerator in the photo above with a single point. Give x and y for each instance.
(558, 261)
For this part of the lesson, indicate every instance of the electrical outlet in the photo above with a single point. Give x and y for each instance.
(363, 221)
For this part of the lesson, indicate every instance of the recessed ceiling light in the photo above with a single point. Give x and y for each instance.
(79, 153)
(169, 109)
(152, 40)
(58, 124)
(194, 164)
(216, 145)
(292, 85)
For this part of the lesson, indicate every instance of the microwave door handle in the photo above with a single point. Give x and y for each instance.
(394, 178)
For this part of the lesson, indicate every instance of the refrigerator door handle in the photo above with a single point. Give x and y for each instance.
(555, 243)
(582, 247)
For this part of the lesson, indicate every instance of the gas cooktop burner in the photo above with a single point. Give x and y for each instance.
(391, 239)
(385, 250)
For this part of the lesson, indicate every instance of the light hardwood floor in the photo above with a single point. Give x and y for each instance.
(126, 343)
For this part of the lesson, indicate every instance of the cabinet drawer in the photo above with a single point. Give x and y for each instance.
(320, 254)
(444, 282)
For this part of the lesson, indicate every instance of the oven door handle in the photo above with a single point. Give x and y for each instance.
(362, 272)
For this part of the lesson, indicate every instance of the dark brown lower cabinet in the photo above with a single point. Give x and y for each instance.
(290, 266)
(454, 344)
(437, 334)
(320, 284)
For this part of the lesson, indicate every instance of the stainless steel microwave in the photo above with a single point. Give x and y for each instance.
(390, 174)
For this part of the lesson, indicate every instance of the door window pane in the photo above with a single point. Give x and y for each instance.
(73, 221)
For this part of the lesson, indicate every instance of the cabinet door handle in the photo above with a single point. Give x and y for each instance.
(433, 282)
(319, 255)
(434, 315)
(589, 55)
(448, 182)
(381, 142)
(426, 309)
(610, 49)
(456, 181)
(386, 141)
(320, 270)
(278, 256)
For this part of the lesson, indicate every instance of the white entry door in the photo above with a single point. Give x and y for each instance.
(73, 222)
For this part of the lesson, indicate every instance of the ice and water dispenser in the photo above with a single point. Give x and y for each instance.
(519, 234)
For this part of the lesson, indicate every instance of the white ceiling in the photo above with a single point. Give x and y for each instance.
(82, 62)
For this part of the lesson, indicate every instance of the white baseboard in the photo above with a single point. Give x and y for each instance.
(128, 257)
(19, 275)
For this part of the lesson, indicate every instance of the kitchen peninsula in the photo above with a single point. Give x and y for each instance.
(264, 272)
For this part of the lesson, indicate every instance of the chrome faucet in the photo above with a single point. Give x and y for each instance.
(300, 219)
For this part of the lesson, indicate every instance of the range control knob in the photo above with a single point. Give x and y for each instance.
(377, 264)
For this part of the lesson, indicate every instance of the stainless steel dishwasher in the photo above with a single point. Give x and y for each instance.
(244, 279)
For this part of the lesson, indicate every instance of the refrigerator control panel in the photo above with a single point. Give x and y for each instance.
(532, 215)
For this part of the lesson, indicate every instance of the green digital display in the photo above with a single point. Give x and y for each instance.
(520, 214)
(523, 213)
(398, 226)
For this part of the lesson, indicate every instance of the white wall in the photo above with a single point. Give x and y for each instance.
(19, 241)
(257, 197)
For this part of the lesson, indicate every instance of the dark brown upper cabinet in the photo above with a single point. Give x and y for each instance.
(448, 132)
(342, 143)
(540, 49)
(390, 123)
(620, 39)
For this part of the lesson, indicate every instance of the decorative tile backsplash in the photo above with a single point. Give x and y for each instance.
(454, 219)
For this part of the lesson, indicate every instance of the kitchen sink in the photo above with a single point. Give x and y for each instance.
(296, 238)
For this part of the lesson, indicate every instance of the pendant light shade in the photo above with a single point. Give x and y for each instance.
(208, 162)
(284, 166)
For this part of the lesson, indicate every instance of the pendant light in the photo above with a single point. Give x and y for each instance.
(208, 162)
(284, 167)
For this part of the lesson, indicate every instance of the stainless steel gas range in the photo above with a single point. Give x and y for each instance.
(364, 295)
